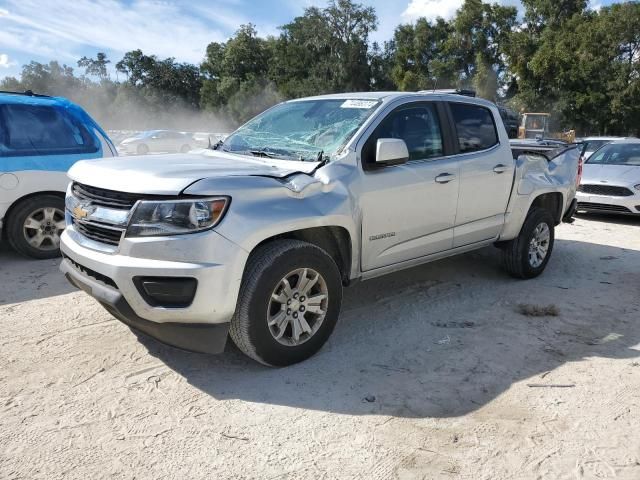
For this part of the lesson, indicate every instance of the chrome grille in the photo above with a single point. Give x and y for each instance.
(602, 207)
(610, 190)
(105, 198)
(92, 223)
(99, 232)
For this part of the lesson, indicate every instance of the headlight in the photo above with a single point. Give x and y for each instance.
(176, 217)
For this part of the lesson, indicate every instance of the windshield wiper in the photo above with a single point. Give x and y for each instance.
(263, 153)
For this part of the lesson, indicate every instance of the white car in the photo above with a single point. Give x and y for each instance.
(156, 141)
(41, 137)
(611, 180)
(594, 143)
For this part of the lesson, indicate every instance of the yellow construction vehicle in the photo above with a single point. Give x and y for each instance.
(536, 125)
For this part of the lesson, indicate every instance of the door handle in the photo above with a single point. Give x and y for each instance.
(445, 177)
(500, 168)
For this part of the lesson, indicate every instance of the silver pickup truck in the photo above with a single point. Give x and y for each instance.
(256, 237)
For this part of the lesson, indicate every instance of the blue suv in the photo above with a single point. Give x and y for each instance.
(41, 137)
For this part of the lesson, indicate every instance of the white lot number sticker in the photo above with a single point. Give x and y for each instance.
(364, 104)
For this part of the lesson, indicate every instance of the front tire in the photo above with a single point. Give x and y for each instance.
(35, 225)
(289, 303)
(185, 148)
(527, 255)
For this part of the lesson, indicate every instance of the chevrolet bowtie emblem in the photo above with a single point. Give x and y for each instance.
(81, 211)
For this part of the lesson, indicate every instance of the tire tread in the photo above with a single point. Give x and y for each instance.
(514, 250)
(258, 262)
(14, 226)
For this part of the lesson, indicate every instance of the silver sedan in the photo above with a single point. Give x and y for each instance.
(611, 180)
(156, 141)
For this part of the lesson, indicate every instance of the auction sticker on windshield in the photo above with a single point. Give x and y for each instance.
(365, 104)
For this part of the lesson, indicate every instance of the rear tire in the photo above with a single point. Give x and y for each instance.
(527, 255)
(34, 226)
(263, 326)
(185, 148)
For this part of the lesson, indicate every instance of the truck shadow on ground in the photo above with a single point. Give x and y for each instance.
(446, 338)
(27, 279)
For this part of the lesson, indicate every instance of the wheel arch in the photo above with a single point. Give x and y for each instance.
(23, 198)
(553, 202)
(334, 240)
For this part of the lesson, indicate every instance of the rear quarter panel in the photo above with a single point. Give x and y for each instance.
(536, 176)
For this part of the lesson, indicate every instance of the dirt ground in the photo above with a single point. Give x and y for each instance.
(431, 373)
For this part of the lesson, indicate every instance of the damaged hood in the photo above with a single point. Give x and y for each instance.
(171, 174)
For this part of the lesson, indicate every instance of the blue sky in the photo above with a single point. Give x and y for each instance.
(66, 30)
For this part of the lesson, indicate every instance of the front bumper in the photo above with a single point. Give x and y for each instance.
(216, 263)
(195, 337)
(608, 204)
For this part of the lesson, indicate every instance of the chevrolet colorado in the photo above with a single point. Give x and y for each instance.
(255, 238)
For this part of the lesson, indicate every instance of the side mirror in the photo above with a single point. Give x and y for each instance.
(391, 151)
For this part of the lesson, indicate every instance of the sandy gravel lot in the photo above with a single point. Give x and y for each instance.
(431, 373)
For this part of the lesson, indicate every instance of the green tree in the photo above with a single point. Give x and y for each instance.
(237, 67)
(542, 14)
(324, 50)
(580, 65)
(96, 67)
(479, 39)
(381, 64)
(420, 57)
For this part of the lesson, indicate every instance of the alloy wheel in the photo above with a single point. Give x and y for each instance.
(539, 245)
(43, 227)
(297, 307)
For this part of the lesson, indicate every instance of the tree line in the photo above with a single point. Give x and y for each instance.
(581, 65)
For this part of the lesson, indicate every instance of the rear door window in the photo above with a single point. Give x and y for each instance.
(27, 130)
(475, 127)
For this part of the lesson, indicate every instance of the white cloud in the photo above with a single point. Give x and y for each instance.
(432, 9)
(63, 29)
(4, 61)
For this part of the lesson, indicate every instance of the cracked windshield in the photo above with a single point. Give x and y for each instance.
(313, 130)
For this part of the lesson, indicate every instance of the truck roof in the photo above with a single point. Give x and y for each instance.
(390, 96)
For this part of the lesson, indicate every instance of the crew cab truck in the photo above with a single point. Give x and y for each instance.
(256, 238)
(40, 138)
